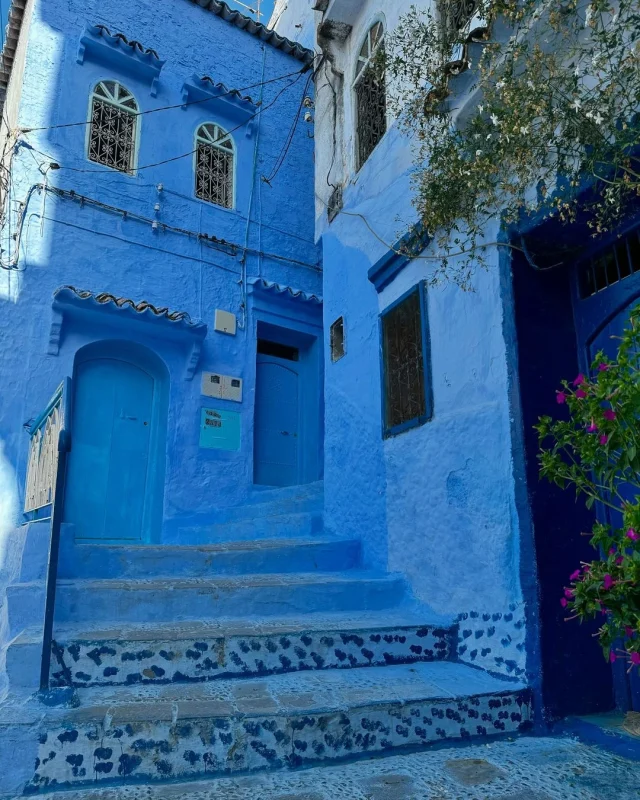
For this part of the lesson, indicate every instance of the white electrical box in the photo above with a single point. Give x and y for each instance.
(224, 387)
(225, 322)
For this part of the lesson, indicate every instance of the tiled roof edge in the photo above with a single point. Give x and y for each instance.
(221, 9)
(12, 34)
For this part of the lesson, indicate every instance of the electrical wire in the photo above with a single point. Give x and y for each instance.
(289, 140)
(176, 105)
(191, 152)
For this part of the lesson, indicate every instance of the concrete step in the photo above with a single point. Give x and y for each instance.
(222, 649)
(170, 733)
(230, 558)
(262, 526)
(139, 600)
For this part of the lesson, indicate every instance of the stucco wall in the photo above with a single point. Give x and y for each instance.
(436, 502)
(101, 251)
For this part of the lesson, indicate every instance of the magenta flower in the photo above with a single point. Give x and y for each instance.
(560, 397)
(579, 380)
(593, 427)
(631, 534)
(581, 394)
(609, 414)
(619, 560)
(604, 438)
(612, 657)
(635, 659)
(629, 631)
(603, 367)
(612, 550)
(563, 602)
(587, 568)
(568, 593)
(608, 582)
(575, 576)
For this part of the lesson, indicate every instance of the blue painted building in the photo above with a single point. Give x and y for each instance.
(267, 496)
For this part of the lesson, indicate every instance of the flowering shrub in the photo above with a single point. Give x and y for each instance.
(597, 451)
(553, 106)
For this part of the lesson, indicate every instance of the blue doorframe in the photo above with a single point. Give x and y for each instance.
(115, 477)
(301, 431)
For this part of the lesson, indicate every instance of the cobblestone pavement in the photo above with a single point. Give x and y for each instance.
(524, 769)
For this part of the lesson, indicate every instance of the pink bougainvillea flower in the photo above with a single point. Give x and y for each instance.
(575, 576)
(603, 367)
(560, 397)
(635, 659)
(612, 550)
(619, 560)
(568, 593)
(629, 631)
(563, 602)
(631, 534)
(608, 581)
(579, 380)
(612, 657)
(593, 427)
(609, 414)
(581, 394)
(587, 568)
(604, 438)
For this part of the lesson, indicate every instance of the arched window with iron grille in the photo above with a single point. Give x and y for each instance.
(215, 157)
(113, 132)
(370, 95)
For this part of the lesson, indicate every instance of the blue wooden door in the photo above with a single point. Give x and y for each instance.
(277, 422)
(109, 460)
(602, 313)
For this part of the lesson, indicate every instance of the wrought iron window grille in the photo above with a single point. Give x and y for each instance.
(337, 340)
(406, 367)
(113, 128)
(215, 165)
(457, 15)
(610, 266)
(370, 95)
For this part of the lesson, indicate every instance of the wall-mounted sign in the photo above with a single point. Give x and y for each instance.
(219, 429)
(223, 387)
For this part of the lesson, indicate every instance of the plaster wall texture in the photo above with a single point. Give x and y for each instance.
(438, 501)
(98, 250)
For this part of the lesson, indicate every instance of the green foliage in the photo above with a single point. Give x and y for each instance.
(597, 452)
(555, 102)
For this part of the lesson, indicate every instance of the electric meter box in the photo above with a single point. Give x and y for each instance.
(222, 387)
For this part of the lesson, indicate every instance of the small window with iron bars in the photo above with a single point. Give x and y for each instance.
(370, 95)
(215, 165)
(114, 126)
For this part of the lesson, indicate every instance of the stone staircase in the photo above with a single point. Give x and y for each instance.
(184, 661)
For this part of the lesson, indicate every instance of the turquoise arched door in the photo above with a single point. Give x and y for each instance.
(109, 491)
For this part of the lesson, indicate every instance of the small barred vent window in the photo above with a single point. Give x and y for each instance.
(215, 165)
(370, 96)
(113, 129)
(406, 363)
(337, 339)
(613, 265)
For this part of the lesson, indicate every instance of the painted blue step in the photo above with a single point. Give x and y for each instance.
(171, 733)
(139, 600)
(196, 652)
(231, 558)
(274, 526)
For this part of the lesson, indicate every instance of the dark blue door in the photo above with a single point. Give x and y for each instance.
(277, 422)
(109, 460)
(606, 289)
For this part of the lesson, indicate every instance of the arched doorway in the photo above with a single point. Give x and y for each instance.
(116, 466)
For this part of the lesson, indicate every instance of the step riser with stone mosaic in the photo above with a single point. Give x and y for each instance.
(121, 748)
(110, 662)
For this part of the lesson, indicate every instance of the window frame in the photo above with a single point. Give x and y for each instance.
(394, 430)
(136, 130)
(234, 151)
(357, 76)
(339, 321)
